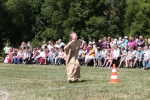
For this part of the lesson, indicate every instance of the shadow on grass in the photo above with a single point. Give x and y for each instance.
(83, 81)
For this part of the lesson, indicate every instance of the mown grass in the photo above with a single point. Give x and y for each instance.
(32, 82)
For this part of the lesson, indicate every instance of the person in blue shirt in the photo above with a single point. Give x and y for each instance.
(139, 57)
(148, 65)
(126, 40)
(98, 57)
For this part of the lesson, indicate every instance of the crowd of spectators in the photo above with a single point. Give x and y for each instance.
(132, 52)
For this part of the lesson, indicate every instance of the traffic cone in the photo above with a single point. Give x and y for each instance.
(114, 77)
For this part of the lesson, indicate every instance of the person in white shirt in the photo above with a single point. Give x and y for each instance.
(119, 42)
(44, 45)
(130, 57)
(116, 53)
(146, 53)
(60, 59)
(57, 45)
(7, 49)
(49, 46)
(103, 56)
(42, 57)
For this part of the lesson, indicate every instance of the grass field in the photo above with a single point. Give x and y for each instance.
(32, 82)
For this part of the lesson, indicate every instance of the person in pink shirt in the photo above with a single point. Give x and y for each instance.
(132, 42)
(110, 60)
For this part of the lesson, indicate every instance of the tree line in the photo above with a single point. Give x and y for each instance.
(37, 20)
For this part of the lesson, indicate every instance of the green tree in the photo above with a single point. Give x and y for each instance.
(137, 17)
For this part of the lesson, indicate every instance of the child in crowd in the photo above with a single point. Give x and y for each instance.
(130, 57)
(139, 57)
(107, 57)
(110, 60)
(123, 56)
(98, 57)
(103, 56)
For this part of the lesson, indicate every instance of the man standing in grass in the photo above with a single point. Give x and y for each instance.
(72, 63)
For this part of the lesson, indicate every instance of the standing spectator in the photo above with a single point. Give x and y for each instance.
(44, 45)
(57, 45)
(126, 40)
(61, 43)
(99, 44)
(119, 42)
(7, 49)
(105, 42)
(83, 44)
(23, 45)
(124, 44)
(141, 42)
(112, 43)
(49, 46)
(132, 42)
(29, 45)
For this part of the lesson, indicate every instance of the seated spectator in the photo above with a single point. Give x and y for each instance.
(107, 57)
(26, 57)
(110, 60)
(90, 56)
(130, 57)
(116, 53)
(147, 65)
(123, 56)
(139, 57)
(52, 56)
(146, 53)
(37, 58)
(60, 58)
(42, 56)
(126, 40)
(61, 43)
(81, 55)
(98, 57)
(18, 56)
(103, 56)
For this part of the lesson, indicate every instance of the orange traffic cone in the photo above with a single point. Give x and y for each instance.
(114, 78)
